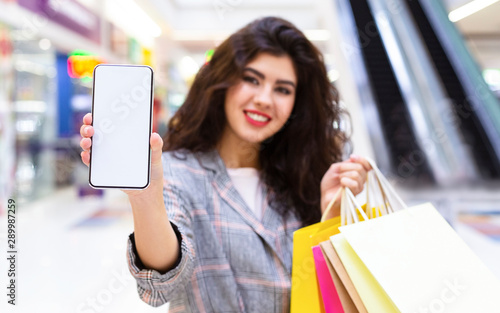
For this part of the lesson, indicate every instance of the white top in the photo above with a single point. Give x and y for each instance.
(246, 180)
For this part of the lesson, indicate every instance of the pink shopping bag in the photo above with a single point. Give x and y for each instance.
(327, 288)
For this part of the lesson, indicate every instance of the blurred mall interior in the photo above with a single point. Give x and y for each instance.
(420, 78)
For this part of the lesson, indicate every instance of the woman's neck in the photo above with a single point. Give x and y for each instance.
(237, 153)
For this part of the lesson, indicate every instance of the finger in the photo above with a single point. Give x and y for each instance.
(156, 146)
(82, 128)
(332, 176)
(343, 166)
(334, 169)
(86, 131)
(330, 181)
(351, 184)
(87, 119)
(156, 151)
(354, 175)
(358, 177)
(360, 160)
(347, 166)
(360, 170)
(86, 143)
(85, 155)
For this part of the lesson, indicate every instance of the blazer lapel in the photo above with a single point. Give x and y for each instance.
(270, 226)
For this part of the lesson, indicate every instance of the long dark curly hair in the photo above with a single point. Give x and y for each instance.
(294, 160)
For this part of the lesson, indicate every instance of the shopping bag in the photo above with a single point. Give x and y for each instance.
(413, 261)
(422, 264)
(305, 294)
(329, 295)
(349, 297)
(372, 295)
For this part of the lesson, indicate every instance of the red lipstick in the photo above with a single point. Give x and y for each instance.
(254, 122)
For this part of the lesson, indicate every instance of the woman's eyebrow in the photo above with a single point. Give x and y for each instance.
(288, 82)
(262, 76)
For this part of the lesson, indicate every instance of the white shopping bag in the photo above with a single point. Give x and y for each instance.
(420, 262)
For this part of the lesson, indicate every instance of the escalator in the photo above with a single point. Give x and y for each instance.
(470, 125)
(407, 162)
(414, 82)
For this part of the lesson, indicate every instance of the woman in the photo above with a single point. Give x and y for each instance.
(250, 157)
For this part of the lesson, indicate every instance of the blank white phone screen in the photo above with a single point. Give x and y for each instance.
(121, 117)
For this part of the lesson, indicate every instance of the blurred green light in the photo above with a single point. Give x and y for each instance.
(79, 52)
(208, 55)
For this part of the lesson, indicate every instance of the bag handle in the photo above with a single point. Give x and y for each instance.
(373, 198)
(348, 207)
(351, 207)
(330, 205)
(386, 191)
(376, 197)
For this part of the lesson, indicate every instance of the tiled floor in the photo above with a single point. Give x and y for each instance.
(71, 256)
(71, 251)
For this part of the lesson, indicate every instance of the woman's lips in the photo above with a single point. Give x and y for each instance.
(257, 118)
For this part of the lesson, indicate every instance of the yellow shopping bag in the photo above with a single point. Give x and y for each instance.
(306, 296)
(305, 291)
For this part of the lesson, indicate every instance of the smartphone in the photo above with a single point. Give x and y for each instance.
(122, 114)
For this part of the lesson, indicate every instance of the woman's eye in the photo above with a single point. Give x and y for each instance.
(283, 90)
(251, 80)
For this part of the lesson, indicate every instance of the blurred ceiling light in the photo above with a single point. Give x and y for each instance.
(25, 170)
(176, 99)
(469, 9)
(30, 106)
(317, 34)
(492, 76)
(81, 102)
(25, 126)
(333, 75)
(30, 67)
(127, 15)
(188, 67)
(44, 44)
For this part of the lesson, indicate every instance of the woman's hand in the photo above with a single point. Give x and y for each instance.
(156, 184)
(350, 173)
(152, 229)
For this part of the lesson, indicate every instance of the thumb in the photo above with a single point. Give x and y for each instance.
(156, 150)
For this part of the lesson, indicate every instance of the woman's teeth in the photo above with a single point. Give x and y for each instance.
(257, 117)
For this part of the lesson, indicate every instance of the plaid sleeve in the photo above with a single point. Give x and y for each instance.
(157, 288)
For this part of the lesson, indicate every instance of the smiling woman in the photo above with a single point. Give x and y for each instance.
(250, 157)
(257, 106)
(268, 69)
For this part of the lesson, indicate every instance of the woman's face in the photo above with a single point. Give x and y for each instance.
(262, 101)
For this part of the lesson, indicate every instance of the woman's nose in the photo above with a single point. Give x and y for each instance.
(263, 97)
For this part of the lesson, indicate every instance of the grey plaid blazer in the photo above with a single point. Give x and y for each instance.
(230, 261)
